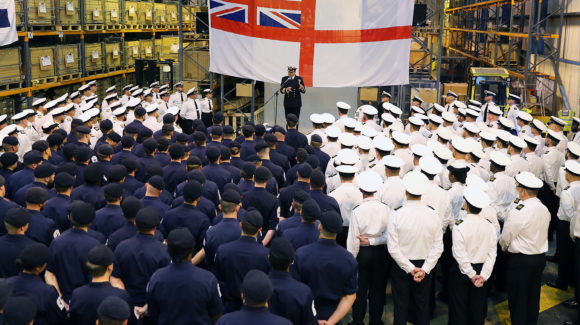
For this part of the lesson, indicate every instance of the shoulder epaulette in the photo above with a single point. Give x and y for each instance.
(458, 222)
(519, 207)
(356, 206)
(398, 208)
(432, 208)
(567, 187)
(442, 186)
(516, 201)
(492, 178)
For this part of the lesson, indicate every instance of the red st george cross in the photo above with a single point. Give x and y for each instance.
(306, 35)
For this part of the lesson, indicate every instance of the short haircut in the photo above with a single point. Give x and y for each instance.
(472, 209)
(228, 207)
(96, 270)
(278, 263)
(178, 255)
(249, 229)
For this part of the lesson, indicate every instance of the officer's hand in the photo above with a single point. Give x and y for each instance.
(419, 276)
(322, 322)
(288, 89)
(363, 240)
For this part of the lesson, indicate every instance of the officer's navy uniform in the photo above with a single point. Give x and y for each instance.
(86, 299)
(264, 202)
(44, 295)
(189, 216)
(311, 267)
(323, 158)
(163, 158)
(41, 228)
(20, 195)
(56, 208)
(287, 224)
(5, 205)
(254, 316)
(248, 148)
(325, 202)
(136, 259)
(108, 219)
(199, 152)
(291, 299)
(10, 248)
(173, 174)
(122, 155)
(296, 139)
(287, 194)
(217, 174)
(280, 159)
(89, 193)
(127, 231)
(233, 260)
(223, 232)
(131, 184)
(277, 171)
(302, 235)
(143, 164)
(234, 171)
(182, 293)
(288, 151)
(156, 203)
(68, 254)
(20, 179)
(293, 99)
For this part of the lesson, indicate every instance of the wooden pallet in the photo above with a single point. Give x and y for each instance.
(111, 69)
(172, 26)
(70, 76)
(94, 27)
(500, 62)
(147, 27)
(43, 81)
(32, 28)
(95, 72)
(114, 27)
(8, 86)
(69, 28)
(132, 26)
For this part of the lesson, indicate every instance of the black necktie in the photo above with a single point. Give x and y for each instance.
(181, 95)
(209, 103)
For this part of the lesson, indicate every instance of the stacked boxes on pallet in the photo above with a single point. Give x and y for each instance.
(172, 18)
(40, 14)
(68, 61)
(131, 53)
(159, 10)
(113, 54)
(42, 64)
(68, 14)
(10, 73)
(113, 16)
(94, 14)
(147, 50)
(131, 15)
(146, 14)
(158, 47)
(170, 48)
(94, 57)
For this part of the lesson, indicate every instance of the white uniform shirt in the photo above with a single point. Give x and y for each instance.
(177, 99)
(562, 182)
(438, 199)
(513, 113)
(118, 126)
(331, 148)
(526, 229)
(407, 156)
(340, 122)
(502, 193)
(374, 125)
(474, 242)
(151, 123)
(517, 165)
(576, 137)
(370, 220)
(456, 201)
(536, 165)
(24, 142)
(553, 159)
(190, 110)
(540, 148)
(125, 99)
(392, 193)
(348, 197)
(205, 105)
(320, 132)
(563, 144)
(572, 208)
(409, 223)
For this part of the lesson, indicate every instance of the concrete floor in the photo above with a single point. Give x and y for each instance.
(552, 311)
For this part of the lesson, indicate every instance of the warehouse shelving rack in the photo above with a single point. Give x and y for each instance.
(518, 35)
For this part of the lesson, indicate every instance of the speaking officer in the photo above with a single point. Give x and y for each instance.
(14, 241)
(182, 293)
(414, 258)
(291, 299)
(223, 232)
(50, 306)
(234, 259)
(474, 249)
(366, 242)
(334, 292)
(66, 268)
(292, 86)
(525, 238)
(138, 257)
(256, 290)
(86, 299)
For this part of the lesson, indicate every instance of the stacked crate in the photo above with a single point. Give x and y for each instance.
(187, 17)
(94, 58)
(40, 15)
(19, 15)
(169, 48)
(131, 53)
(43, 65)
(171, 10)
(113, 15)
(94, 14)
(68, 61)
(159, 10)
(10, 74)
(146, 49)
(146, 15)
(158, 47)
(131, 15)
(67, 15)
(113, 54)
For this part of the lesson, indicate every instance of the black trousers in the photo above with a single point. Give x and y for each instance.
(292, 110)
(409, 295)
(564, 254)
(341, 237)
(577, 273)
(186, 125)
(467, 303)
(206, 118)
(524, 279)
(552, 202)
(447, 262)
(372, 284)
